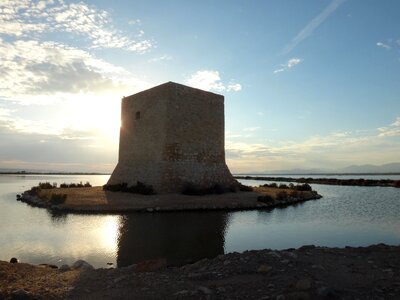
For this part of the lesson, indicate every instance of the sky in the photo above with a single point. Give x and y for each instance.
(307, 84)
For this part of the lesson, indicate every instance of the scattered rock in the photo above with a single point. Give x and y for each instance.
(81, 264)
(285, 261)
(264, 269)
(227, 262)
(20, 294)
(204, 290)
(317, 267)
(326, 292)
(298, 296)
(303, 284)
(48, 266)
(290, 254)
(182, 293)
(119, 279)
(64, 268)
(151, 265)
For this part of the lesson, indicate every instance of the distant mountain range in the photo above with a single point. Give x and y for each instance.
(353, 169)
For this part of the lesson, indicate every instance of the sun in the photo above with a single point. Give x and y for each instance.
(99, 115)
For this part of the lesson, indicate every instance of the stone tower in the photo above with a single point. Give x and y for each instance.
(172, 135)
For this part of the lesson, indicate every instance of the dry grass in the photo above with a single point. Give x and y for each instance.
(36, 280)
(96, 199)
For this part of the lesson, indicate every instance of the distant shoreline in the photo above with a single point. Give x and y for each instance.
(236, 175)
(52, 173)
(328, 181)
(315, 174)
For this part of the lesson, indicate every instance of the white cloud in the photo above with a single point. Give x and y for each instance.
(341, 133)
(21, 18)
(160, 58)
(4, 112)
(383, 45)
(50, 68)
(210, 80)
(279, 70)
(313, 25)
(292, 62)
(337, 149)
(289, 64)
(251, 129)
(135, 22)
(235, 87)
(391, 130)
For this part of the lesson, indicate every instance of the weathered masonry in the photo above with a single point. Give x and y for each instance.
(172, 135)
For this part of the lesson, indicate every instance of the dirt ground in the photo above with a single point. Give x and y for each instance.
(95, 199)
(306, 273)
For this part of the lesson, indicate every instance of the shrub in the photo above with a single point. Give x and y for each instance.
(281, 195)
(139, 188)
(195, 190)
(283, 186)
(397, 183)
(245, 188)
(34, 191)
(265, 199)
(303, 187)
(75, 185)
(57, 198)
(46, 185)
(273, 185)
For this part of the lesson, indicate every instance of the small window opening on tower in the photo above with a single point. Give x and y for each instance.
(137, 115)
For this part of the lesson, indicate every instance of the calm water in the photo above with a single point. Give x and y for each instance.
(356, 216)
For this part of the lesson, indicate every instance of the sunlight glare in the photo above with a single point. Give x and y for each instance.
(108, 233)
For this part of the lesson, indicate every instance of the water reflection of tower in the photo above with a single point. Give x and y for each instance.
(177, 237)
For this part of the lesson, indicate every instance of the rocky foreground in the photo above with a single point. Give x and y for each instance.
(306, 273)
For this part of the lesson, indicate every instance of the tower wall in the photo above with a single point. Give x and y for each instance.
(172, 135)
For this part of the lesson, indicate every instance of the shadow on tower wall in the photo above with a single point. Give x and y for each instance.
(177, 237)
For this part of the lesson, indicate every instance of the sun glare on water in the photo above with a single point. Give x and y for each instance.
(108, 234)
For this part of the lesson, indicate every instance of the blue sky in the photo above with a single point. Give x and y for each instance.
(307, 84)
